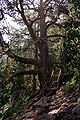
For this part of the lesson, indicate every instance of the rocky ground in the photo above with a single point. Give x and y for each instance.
(61, 106)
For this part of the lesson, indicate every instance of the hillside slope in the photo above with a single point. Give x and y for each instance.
(61, 106)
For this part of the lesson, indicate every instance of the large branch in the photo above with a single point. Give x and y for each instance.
(7, 50)
(23, 60)
(20, 73)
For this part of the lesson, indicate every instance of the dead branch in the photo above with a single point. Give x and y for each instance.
(56, 35)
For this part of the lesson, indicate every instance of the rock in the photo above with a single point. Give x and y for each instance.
(50, 118)
(29, 119)
(54, 107)
(53, 112)
(73, 99)
(61, 106)
(76, 109)
(65, 104)
(41, 117)
(67, 117)
(29, 115)
(76, 117)
(42, 102)
(39, 111)
(62, 112)
(72, 105)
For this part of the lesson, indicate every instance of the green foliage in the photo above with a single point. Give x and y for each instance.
(78, 100)
(4, 91)
(66, 88)
(55, 48)
(20, 86)
(70, 57)
(12, 110)
(74, 82)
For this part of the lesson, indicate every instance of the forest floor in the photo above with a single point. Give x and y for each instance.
(63, 105)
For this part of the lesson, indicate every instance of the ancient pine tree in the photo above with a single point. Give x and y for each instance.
(47, 13)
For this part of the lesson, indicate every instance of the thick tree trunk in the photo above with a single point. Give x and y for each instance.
(44, 77)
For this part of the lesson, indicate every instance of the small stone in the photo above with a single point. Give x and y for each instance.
(74, 99)
(50, 118)
(76, 117)
(78, 111)
(72, 105)
(70, 97)
(53, 112)
(63, 110)
(64, 105)
(76, 108)
(42, 102)
(39, 111)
